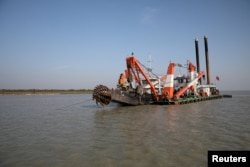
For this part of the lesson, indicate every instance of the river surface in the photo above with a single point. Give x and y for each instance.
(71, 130)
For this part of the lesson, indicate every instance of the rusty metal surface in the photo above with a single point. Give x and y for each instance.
(102, 95)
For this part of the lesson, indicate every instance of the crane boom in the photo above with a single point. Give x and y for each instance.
(134, 68)
(180, 92)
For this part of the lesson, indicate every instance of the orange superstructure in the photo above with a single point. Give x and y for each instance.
(168, 89)
(158, 89)
(135, 71)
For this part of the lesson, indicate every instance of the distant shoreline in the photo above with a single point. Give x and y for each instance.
(43, 91)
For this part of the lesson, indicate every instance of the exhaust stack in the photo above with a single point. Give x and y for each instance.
(207, 60)
(197, 57)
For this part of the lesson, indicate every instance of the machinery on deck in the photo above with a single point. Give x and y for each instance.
(139, 85)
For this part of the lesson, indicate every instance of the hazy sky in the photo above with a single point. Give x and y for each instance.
(69, 44)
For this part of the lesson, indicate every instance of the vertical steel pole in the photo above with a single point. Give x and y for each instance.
(197, 57)
(207, 60)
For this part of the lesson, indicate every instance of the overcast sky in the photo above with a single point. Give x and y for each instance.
(69, 44)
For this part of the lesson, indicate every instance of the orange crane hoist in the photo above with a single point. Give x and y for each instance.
(134, 70)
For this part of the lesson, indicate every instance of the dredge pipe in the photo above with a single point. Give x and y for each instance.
(197, 57)
(207, 60)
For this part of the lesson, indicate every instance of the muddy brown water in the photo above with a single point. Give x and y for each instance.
(71, 130)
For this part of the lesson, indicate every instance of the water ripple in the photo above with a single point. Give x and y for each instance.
(34, 132)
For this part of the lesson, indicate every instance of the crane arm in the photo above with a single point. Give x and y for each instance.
(132, 63)
(180, 92)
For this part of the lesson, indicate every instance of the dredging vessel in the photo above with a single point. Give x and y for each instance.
(138, 85)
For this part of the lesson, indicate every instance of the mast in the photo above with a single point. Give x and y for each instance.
(149, 63)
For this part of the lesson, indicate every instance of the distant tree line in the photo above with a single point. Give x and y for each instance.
(45, 91)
